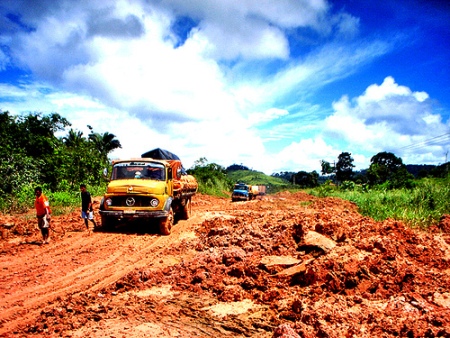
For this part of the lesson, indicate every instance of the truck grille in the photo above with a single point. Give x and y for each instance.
(239, 194)
(131, 201)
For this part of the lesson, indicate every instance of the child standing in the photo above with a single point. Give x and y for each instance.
(87, 212)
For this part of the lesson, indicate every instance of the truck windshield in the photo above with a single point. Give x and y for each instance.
(138, 170)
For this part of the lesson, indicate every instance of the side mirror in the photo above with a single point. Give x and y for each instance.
(105, 174)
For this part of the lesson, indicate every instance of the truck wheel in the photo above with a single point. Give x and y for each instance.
(187, 210)
(165, 224)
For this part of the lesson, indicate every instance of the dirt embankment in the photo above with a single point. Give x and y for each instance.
(287, 265)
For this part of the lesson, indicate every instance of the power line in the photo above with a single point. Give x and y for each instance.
(435, 140)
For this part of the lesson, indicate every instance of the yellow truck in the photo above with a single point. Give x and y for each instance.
(154, 186)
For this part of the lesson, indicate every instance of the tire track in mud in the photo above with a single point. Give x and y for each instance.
(85, 264)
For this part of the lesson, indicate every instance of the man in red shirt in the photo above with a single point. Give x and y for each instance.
(43, 213)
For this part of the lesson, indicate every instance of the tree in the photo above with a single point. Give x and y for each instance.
(104, 143)
(79, 150)
(327, 168)
(212, 178)
(344, 167)
(305, 179)
(386, 167)
(30, 153)
(235, 167)
(382, 166)
(73, 139)
(27, 152)
(38, 133)
(285, 175)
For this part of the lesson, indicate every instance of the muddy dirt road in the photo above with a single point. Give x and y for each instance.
(285, 265)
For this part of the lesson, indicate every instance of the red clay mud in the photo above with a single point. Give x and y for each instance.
(284, 265)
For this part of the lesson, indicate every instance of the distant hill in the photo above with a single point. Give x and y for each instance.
(273, 184)
(419, 170)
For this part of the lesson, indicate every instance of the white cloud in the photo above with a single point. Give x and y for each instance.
(386, 117)
(305, 155)
(347, 26)
(269, 115)
(249, 29)
(388, 89)
(123, 54)
(226, 92)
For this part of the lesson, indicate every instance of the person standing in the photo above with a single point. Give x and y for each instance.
(87, 211)
(43, 213)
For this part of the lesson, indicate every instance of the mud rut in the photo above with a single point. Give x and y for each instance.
(36, 276)
(288, 265)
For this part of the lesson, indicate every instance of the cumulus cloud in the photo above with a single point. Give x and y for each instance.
(125, 54)
(249, 29)
(386, 117)
(305, 154)
(224, 86)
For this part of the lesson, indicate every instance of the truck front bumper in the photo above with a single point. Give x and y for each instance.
(134, 213)
(239, 198)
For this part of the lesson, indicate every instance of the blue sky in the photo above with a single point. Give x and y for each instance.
(276, 85)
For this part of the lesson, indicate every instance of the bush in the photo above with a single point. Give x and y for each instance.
(419, 205)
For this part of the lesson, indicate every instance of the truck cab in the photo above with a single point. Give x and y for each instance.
(241, 192)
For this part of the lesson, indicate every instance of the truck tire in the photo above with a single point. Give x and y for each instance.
(187, 210)
(165, 225)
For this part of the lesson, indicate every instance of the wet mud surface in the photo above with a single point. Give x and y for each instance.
(284, 265)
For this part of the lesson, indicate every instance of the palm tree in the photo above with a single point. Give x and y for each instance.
(73, 139)
(104, 143)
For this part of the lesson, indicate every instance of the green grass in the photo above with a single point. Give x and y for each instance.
(61, 202)
(420, 206)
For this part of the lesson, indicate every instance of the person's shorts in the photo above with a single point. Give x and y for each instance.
(43, 223)
(87, 214)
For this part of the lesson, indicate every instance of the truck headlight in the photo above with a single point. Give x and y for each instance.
(154, 202)
(108, 202)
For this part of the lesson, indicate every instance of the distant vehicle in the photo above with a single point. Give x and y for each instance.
(148, 188)
(245, 192)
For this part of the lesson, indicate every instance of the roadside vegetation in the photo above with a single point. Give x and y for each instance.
(420, 206)
(388, 190)
(212, 178)
(32, 155)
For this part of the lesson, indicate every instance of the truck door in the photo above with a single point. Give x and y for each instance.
(169, 185)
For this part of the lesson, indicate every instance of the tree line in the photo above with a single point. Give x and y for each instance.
(386, 170)
(32, 154)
